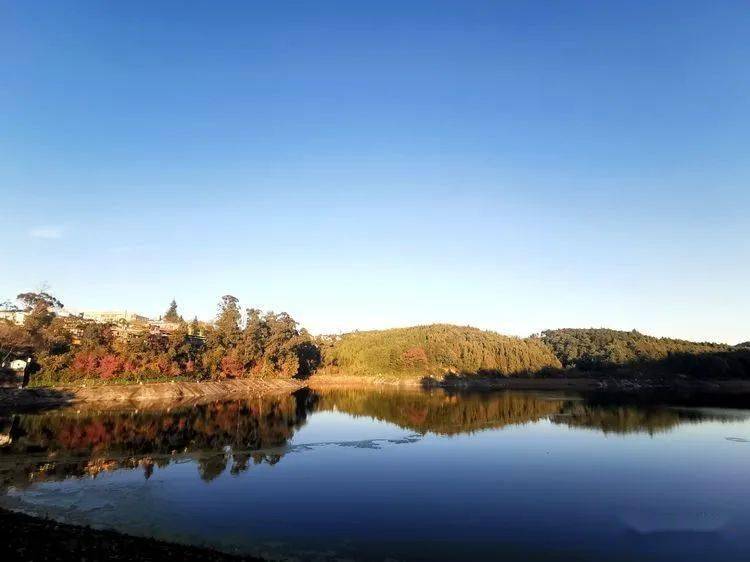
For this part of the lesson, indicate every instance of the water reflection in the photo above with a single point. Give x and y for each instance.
(237, 434)
(447, 412)
(74, 442)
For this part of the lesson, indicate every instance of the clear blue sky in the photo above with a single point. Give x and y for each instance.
(512, 165)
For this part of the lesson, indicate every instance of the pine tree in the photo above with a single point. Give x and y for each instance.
(171, 314)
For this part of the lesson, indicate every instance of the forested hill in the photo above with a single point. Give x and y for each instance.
(440, 349)
(601, 349)
(435, 349)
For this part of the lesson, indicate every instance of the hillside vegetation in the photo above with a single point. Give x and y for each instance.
(434, 350)
(440, 349)
(66, 348)
(603, 349)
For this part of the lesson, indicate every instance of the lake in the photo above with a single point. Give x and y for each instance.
(400, 474)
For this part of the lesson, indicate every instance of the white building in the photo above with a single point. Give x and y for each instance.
(14, 315)
(17, 365)
(113, 316)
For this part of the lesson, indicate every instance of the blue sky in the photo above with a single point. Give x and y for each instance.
(512, 165)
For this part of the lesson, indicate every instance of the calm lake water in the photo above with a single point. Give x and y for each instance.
(400, 475)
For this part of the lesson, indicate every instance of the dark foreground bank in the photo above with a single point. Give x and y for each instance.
(23, 537)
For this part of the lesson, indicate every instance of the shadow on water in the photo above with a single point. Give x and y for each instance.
(237, 434)
(15, 400)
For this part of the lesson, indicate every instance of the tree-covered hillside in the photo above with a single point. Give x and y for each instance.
(435, 350)
(604, 349)
(596, 348)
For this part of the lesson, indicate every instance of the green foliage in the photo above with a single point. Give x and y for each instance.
(603, 349)
(434, 350)
(592, 349)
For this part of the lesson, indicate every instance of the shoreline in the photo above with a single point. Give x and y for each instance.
(138, 395)
(591, 383)
(20, 534)
(508, 383)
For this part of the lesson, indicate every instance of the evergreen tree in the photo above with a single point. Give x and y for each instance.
(171, 314)
(228, 321)
(195, 327)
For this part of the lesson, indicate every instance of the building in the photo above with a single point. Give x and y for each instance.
(18, 315)
(113, 316)
(15, 315)
(17, 365)
(13, 373)
(164, 326)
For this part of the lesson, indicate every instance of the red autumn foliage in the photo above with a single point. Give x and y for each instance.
(109, 366)
(415, 357)
(232, 367)
(85, 363)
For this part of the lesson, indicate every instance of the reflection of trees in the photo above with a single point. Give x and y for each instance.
(237, 434)
(624, 418)
(447, 413)
(58, 444)
(618, 419)
(439, 411)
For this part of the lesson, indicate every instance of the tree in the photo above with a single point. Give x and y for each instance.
(195, 328)
(14, 341)
(254, 337)
(288, 351)
(47, 333)
(228, 321)
(171, 314)
(222, 338)
(32, 301)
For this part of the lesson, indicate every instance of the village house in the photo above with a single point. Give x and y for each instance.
(113, 316)
(15, 315)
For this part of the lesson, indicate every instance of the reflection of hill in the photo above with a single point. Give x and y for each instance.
(447, 413)
(67, 443)
(438, 411)
(618, 419)
(633, 418)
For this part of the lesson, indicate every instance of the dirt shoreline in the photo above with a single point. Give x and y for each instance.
(144, 394)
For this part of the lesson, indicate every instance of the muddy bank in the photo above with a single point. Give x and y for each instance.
(142, 394)
(30, 538)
